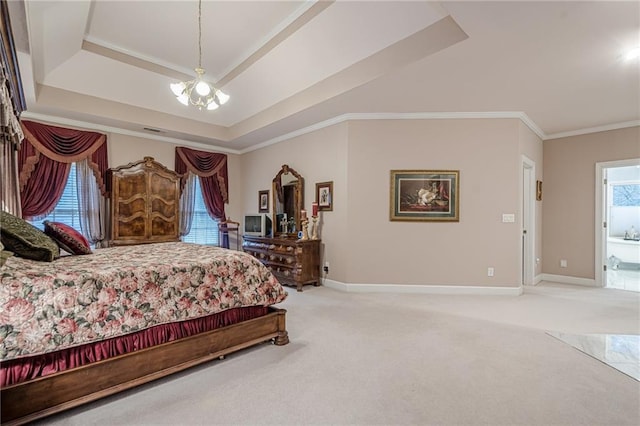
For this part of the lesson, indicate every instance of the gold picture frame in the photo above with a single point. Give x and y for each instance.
(425, 195)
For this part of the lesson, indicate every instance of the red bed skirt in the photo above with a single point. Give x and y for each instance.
(22, 369)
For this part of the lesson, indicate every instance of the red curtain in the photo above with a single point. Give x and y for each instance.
(44, 161)
(214, 179)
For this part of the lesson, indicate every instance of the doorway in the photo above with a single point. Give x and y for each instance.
(618, 224)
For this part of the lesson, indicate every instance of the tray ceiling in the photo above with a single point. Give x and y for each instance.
(288, 65)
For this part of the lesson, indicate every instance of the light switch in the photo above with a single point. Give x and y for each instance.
(508, 218)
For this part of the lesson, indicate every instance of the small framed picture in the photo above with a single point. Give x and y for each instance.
(425, 195)
(324, 196)
(263, 201)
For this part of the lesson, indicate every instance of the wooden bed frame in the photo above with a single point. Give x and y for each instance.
(47, 395)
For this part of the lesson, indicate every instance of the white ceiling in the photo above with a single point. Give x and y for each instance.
(291, 65)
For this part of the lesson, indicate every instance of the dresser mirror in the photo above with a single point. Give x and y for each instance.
(288, 198)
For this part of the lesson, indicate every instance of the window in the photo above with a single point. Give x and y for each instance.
(626, 195)
(67, 210)
(204, 230)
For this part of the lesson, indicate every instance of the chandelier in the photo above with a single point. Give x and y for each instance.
(199, 92)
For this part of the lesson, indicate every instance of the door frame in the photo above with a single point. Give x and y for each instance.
(600, 256)
(528, 221)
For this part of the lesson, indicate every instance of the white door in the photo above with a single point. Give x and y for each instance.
(528, 220)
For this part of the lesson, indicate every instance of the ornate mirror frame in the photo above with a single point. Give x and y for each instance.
(279, 202)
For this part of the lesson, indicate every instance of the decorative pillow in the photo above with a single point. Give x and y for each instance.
(4, 254)
(67, 238)
(25, 240)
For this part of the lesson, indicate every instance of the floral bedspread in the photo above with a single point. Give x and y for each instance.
(46, 306)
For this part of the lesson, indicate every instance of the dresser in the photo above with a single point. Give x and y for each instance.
(293, 262)
(145, 198)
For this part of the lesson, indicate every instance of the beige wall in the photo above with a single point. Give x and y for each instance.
(569, 196)
(360, 242)
(448, 253)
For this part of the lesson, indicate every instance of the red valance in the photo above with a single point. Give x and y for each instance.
(44, 160)
(211, 167)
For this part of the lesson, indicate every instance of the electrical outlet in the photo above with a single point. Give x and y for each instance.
(326, 267)
(563, 263)
(490, 272)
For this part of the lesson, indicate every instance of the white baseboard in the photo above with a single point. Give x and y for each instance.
(537, 279)
(422, 289)
(565, 279)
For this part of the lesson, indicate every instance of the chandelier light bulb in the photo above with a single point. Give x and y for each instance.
(183, 99)
(203, 88)
(222, 97)
(177, 88)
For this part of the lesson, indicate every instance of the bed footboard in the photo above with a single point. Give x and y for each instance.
(41, 397)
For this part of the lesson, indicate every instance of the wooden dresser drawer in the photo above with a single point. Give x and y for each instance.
(292, 261)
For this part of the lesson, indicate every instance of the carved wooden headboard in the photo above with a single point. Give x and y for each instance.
(145, 199)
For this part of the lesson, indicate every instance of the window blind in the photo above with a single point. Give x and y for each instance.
(204, 230)
(67, 210)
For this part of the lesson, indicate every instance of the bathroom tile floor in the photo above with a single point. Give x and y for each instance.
(624, 279)
(620, 351)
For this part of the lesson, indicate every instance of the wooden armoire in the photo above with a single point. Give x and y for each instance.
(145, 199)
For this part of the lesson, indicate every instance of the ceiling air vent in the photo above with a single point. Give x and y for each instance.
(150, 129)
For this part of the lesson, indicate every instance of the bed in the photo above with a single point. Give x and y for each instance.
(106, 314)
(76, 328)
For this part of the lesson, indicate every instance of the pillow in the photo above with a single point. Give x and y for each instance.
(67, 238)
(25, 240)
(4, 254)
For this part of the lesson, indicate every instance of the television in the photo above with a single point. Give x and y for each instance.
(258, 225)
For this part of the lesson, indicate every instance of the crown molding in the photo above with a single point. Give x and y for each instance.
(330, 122)
(400, 116)
(110, 129)
(605, 128)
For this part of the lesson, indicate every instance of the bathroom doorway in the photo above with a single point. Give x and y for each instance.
(619, 251)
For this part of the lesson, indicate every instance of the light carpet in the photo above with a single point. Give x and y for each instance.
(405, 359)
